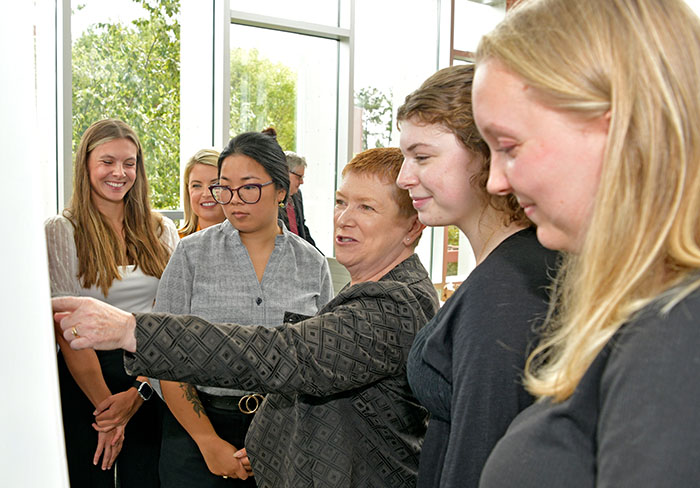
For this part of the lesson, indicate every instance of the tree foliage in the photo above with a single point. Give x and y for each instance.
(377, 117)
(263, 94)
(132, 72)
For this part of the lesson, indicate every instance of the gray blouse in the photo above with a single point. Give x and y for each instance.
(210, 275)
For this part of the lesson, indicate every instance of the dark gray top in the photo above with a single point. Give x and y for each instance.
(338, 411)
(466, 365)
(632, 422)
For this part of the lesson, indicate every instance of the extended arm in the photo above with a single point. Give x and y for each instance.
(363, 340)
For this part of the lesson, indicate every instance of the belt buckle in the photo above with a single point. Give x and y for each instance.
(246, 405)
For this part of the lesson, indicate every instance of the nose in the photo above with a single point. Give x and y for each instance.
(343, 217)
(406, 178)
(118, 169)
(498, 183)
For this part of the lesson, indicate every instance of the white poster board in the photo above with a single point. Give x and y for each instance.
(32, 452)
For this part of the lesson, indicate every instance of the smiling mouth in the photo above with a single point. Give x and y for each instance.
(208, 204)
(115, 184)
(344, 239)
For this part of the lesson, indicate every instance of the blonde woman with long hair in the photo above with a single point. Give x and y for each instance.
(108, 244)
(201, 211)
(591, 112)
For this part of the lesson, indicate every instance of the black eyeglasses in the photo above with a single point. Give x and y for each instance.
(301, 177)
(249, 193)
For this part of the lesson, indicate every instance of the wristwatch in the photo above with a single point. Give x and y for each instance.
(144, 389)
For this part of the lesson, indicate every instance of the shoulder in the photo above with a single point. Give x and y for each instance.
(168, 224)
(659, 343)
(302, 250)
(58, 221)
(205, 243)
(520, 264)
(407, 282)
(59, 228)
(522, 253)
(168, 232)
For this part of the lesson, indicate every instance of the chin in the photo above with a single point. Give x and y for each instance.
(556, 240)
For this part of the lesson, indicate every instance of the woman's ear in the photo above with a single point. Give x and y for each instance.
(281, 195)
(414, 231)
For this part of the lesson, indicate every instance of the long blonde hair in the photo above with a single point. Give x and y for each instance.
(639, 61)
(210, 157)
(100, 252)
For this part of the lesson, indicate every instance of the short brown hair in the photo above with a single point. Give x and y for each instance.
(384, 163)
(445, 99)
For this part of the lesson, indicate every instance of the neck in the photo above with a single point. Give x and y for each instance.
(113, 211)
(260, 239)
(487, 232)
(360, 276)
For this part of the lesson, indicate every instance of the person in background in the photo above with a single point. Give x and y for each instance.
(201, 211)
(338, 410)
(248, 270)
(465, 365)
(109, 245)
(591, 112)
(293, 213)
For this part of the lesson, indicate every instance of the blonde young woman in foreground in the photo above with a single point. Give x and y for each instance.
(591, 112)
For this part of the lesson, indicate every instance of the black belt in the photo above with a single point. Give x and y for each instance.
(247, 404)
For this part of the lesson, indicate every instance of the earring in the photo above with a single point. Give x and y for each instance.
(281, 205)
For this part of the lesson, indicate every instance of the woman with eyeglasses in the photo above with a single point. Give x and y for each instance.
(201, 211)
(109, 245)
(249, 269)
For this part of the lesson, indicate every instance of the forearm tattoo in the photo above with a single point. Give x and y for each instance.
(190, 393)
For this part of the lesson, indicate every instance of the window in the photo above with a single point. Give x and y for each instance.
(126, 65)
(470, 20)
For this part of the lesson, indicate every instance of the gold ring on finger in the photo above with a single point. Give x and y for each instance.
(74, 331)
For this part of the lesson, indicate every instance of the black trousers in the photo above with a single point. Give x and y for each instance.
(181, 462)
(137, 463)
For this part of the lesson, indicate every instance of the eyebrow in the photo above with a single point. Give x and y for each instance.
(200, 181)
(362, 200)
(109, 156)
(493, 129)
(413, 146)
(244, 178)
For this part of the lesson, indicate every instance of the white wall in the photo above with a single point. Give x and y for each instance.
(32, 452)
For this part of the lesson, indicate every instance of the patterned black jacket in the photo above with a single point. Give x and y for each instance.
(338, 411)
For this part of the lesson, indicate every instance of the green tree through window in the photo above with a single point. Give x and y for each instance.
(263, 94)
(132, 72)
